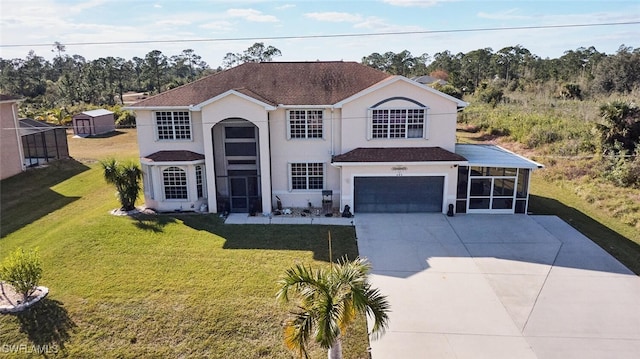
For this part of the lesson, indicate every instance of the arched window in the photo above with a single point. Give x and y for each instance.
(175, 183)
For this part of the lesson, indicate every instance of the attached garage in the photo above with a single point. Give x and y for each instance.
(398, 179)
(398, 194)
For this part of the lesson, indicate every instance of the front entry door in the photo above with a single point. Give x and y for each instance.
(241, 162)
(244, 193)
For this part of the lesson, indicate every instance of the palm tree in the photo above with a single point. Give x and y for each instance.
(126, 177)
(328, 302)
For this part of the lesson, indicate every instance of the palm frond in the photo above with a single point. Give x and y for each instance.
(297, 332)
(329, 302)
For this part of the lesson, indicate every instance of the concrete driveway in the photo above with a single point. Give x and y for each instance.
(498, 286)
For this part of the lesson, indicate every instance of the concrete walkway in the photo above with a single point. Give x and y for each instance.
(493, 286)
(243, 218)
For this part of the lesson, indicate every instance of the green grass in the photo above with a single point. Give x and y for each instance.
(161, 286)
(612, 234)
(572, 190)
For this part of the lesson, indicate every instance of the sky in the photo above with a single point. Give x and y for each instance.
(303, 30)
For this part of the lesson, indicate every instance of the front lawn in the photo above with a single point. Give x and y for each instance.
(162, 286)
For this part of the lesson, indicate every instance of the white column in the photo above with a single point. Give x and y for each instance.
(210, 168)
(265, 165)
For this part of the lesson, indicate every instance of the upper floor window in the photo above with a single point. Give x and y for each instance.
(304, 123)
(398, 123)
(173, 125)
(305, 176)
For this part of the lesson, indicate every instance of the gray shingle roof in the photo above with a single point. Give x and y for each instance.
(399, 154)
(174, 156)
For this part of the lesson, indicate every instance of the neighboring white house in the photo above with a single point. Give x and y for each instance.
(94, 122)
(235, 140)
(11, 156)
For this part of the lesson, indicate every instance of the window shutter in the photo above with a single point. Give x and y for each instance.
(369, 124)
(289, 180)
(425, 124)
(287, 124)
(324, 128)
(324, 175)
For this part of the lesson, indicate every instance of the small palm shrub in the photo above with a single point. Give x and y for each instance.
(126, 177)
(22, 270)
(328, 302)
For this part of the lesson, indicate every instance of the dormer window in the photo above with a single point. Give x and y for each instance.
(398, 123)
(304, 124)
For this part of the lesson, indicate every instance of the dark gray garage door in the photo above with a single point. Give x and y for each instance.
(398, 194)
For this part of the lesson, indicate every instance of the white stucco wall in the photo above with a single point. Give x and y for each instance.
(344, 129)
(441, 118)
(153, 190)
(300, 150)
(11, 157)
(147, 138)
(237, 107)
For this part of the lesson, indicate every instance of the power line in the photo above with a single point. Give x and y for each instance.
(394, 33)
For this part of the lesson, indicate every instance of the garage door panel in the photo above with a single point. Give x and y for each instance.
(398, 194)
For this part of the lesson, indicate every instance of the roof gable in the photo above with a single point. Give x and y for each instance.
(275, 83)
(393, 79)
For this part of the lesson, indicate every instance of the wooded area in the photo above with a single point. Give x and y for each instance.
(522, 83)
(70, 80)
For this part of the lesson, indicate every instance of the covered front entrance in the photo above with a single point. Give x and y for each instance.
(244, 190)
(237, 166)
(398, 194)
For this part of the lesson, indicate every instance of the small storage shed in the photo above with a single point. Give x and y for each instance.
(42, 142)
(92, 123)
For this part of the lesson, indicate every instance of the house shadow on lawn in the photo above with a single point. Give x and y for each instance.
(279, 237)
(152, 223)
(47, 324)
(619, 246)
(28, 196)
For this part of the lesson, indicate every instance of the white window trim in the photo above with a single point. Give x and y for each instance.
(147, 180)
(425, 124)
(306, 136)
(164, 193)
(173, 125)
(491, 196)
(203, 180)
(290, 176)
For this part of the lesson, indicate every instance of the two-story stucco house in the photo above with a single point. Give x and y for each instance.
(240, 139)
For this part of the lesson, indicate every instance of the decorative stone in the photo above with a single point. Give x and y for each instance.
(11, 302)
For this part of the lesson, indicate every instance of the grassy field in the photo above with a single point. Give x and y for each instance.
(613, 235)
(606, 214)
(157, 286)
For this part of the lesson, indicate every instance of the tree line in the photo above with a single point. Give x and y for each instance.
(72, 80)
(578, 72)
